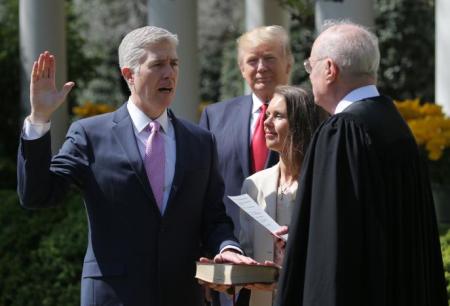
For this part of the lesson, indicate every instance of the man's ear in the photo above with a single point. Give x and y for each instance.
(288, 68)
(331, 70)
(241, 67)
(127, 74)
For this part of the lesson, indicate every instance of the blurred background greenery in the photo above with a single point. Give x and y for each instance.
(41, 252)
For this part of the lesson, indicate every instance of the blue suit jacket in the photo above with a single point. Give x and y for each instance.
(134, 256)
(229, 121)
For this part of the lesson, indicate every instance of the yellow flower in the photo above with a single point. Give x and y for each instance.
(429, 109)
(88, 109)
(429, 125)
(410, 109)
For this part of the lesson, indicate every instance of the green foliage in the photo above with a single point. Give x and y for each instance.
(406, 45)
(80, 65)
(302, 35)
(440, 169)
(407, 48)
(232, 84)
(7, 173)
(9, 78)
(445, 249)
(210, 60)
(299, 9)
(219, 23)
(42, 252)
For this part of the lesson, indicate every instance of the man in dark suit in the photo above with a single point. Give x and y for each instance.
(150, 181)
(265, 61)
(364, 229)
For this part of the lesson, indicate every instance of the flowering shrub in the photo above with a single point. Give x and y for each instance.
(431, 129)
(88, 109)
(430, 126)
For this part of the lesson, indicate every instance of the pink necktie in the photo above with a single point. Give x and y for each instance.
(258, 147)
(154, 162)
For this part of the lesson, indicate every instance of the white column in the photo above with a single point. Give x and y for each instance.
(180, 17)
(264, 13)
(254, 14)
(358, 11)
(442, 70)
(42, 27)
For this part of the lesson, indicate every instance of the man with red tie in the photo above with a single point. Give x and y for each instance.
(265, 61)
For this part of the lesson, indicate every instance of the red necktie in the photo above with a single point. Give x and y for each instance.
(258, 149)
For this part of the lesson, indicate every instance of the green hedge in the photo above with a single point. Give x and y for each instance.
(445, 249)
(9, 84)
(41, 252)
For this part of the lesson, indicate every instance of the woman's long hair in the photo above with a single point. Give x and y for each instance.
(304, 117)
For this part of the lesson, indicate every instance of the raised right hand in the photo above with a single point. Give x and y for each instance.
(44, 97)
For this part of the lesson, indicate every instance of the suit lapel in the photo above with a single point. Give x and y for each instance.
(242, 133)
(182, 157)
(124, 133)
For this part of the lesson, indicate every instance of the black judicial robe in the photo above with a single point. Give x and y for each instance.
(364, 228)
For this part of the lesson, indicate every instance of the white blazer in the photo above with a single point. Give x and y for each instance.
(256, 241)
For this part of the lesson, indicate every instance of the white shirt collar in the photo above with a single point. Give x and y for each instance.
(357, 94)
(141, 120)
(256, 105)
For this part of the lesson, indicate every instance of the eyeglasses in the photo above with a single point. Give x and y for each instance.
(307, 63)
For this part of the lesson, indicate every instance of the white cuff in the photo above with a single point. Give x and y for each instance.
(231, 247)
(32, 131)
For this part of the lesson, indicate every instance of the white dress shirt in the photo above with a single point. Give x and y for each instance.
(32, 131)
(140, 122)
(357, 94)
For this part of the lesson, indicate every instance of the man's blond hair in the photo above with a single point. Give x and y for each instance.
(266, 34)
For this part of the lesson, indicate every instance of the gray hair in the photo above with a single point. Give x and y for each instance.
(353, 48)
(132, 49)
(266, 34)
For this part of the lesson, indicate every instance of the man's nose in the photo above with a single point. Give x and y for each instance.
(262, 65)
(169, 71)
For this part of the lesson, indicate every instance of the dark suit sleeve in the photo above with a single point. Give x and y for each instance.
(43, 181)
(217, 225)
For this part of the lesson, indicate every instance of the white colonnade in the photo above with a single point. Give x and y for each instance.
(42, 27)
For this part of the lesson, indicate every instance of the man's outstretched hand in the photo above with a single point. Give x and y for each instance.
(44, 97)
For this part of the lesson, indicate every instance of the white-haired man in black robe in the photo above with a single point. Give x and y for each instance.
(364, 231)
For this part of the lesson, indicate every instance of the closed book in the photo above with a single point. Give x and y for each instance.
(236, 274)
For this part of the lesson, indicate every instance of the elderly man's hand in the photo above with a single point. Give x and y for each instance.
(261, 286)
